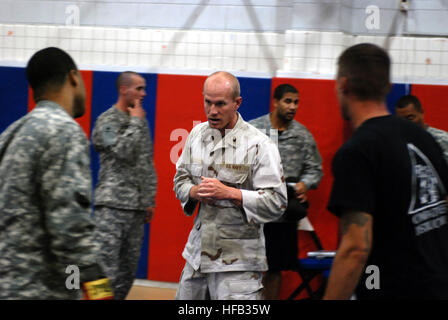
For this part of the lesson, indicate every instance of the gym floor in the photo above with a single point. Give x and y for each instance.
(152, 290)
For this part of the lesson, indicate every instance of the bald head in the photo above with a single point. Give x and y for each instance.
(227, 79)
(222, 100)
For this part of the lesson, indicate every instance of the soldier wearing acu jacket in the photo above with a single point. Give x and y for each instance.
(45, 188)
(302, 166)
(409, 107)
(124, 195)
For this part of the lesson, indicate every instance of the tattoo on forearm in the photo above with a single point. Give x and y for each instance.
(353, 217)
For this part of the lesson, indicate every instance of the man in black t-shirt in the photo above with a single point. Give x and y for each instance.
(390, 192)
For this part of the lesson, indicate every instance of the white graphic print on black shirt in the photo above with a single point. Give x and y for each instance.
(428, 207)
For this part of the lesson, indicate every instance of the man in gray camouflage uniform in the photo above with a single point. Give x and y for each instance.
(302, 164)
(124, 195)
(234, 172)
(45, 186)
(409, 107)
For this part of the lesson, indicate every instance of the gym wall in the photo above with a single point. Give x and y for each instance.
(265, 43)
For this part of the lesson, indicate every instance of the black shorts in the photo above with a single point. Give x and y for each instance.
(281, 245)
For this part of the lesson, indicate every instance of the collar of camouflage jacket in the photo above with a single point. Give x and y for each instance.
(231, 139)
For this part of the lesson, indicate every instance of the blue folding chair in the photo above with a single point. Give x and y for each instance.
(317, 263)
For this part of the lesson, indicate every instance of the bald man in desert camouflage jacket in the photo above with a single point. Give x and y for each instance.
(45, 187)
(124, 195)
(233, 173)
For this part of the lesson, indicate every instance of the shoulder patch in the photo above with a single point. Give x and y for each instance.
(109, 134)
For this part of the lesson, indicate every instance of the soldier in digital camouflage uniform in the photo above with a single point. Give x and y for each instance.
(235, 174)
(45, 186)
(409, 107)
(124, 195)
(302, 164)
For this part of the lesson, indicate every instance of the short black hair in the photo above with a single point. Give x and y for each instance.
(48, 69)
(125, 79)
(367, 68)
(283, 89)
(406, 100)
